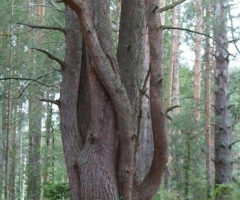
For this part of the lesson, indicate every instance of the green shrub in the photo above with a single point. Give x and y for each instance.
(226, 192)
(56, 191)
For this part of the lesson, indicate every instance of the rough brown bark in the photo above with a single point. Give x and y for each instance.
(72, 142)
(94, 168)
(223, 157)
(148, 187)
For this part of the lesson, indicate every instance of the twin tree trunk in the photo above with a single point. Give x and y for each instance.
(99, 102)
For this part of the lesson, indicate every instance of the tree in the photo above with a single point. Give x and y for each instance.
(223, 157)
(98, 108)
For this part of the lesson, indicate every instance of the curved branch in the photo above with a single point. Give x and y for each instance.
(172, 107)
(43, 27)
(234, 143)
(39, 77)
(150, 184)
(24, 79)
(191, 31)
(59, 61)
(171, 6)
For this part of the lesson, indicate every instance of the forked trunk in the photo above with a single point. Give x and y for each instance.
(99, 113)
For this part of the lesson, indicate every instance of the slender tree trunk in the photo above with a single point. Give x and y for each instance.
(48, 125)
(223, 153)
(34, 162)
(20, 184)
(186, 168)
(35, 123)
(13, 153)
(9, 111)
(173, 84)
(131, 64)
(197, 66)
(208, 107)
(197, 89)
(1, 150)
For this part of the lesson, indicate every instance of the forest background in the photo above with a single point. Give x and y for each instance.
(31, 153)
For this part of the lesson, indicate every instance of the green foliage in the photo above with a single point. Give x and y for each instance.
(55, 191)
(166, 195)
(226, 192)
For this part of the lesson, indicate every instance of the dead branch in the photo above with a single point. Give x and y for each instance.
(59, 61)
(43, 27)
(171, 6)
(56, 102)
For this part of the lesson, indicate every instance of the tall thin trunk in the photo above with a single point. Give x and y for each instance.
(13, 153)
(208, 107)
(197, 66)
(173, 80)
(131, 64)
(20, 184)
(1, 149)
(176, 94)
(35, 123)
(223, 153)
(34, 163)
(172, 56)
(144, 152)
(9, 111)
(48, 131)
(187, 162)
(197, 87)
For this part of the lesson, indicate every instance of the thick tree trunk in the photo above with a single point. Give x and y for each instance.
(223, 156)
(96, 160)
(72, 142)
(96, 169)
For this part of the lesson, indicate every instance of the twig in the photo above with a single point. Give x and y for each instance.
(56, 102)
(172, 107)
(22, 90)
(191, 31)
(25, 79)
(43, 27)
(168, 7)
(234, 143)
(59, 61)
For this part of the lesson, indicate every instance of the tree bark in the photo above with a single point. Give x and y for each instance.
(102, 172)
(149, 186)
(72, 141)
(208, 107)
(197, 66)
(223, 156)
(130, 55)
